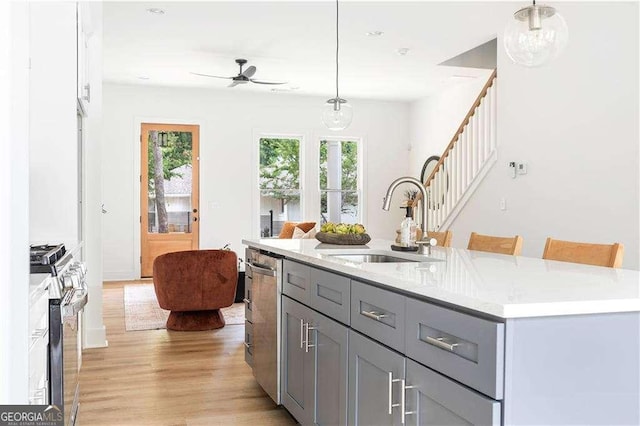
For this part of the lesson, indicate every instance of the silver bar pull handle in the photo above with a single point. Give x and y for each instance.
(390, 392)
(391, 382)
(373, 315)
(247, 302)
(301, 333)
(306, 340)
(439, 342)
(404, 401)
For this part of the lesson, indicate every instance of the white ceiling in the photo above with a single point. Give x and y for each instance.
(295, 42)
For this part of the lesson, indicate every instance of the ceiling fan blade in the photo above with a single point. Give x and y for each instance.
(208, 75)
(249, 71)
(267, 82)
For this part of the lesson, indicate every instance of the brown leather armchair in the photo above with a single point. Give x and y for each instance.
(194, 285)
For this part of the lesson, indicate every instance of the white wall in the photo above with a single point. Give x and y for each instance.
(435, 119)
(53, 145)
(575, 123)
(94, 330)
(231, 121)
(14, 202)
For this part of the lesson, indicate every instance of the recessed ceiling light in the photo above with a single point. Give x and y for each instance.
(403, 51)
(143, 77)
(374, 33)
(156, 10)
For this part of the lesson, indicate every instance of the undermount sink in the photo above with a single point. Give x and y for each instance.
(372, 258)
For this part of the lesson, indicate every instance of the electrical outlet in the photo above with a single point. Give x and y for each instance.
(503, 204)
(522, 168)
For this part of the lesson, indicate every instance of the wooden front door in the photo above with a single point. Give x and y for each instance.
(169, 192)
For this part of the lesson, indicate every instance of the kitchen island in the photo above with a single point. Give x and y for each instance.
(457, 336)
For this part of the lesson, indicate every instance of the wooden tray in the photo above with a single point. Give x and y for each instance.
(343, 239)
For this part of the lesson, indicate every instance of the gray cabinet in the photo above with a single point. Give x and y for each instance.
(297, 363)
(296, 281)
(314, 373)
(375, 374)
(379, 314)
(467, 348)
(433, 399)
(330, 294)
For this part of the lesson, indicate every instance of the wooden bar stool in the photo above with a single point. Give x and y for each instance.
(590, 254)
(491, 244)
(443, 238)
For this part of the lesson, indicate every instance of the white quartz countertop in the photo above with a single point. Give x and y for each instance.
(498, 285)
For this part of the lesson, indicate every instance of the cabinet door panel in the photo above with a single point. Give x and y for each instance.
(464, 347)
(331, 348)
(378, 313)
(295, 281)
(436, 400)
(330, 294)
(297, 365)
(369, 366)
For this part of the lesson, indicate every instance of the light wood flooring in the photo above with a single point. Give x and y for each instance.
(160, 377)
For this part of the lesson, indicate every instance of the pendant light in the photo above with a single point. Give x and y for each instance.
(535, 36)
(337, 114)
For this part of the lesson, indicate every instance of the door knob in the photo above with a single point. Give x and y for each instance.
(195, 210)
(195, 219)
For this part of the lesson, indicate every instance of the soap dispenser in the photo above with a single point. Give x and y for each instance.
(408, 229)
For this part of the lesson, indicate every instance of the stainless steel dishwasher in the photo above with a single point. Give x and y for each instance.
(265, 273)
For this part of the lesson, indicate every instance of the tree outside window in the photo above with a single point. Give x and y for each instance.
(279, 183)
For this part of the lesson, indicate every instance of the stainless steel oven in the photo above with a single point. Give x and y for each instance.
(265, 272)
(68, 294)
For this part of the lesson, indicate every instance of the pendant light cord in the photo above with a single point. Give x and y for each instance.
(337, 49)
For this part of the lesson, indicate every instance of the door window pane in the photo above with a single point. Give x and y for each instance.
(170, 186)
(280, 198)
(339, 182)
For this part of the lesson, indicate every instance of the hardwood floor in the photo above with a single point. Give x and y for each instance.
(160, 377)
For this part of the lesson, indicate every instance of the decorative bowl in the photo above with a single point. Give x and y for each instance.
(343, 239)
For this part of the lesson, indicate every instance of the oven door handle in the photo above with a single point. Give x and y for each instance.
(77, 302)
(262, 270)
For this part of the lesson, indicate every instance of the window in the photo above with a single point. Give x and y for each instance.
(280, 198)
(340, 198)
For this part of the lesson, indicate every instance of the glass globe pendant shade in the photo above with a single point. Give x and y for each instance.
(337, 114)
(535, 36)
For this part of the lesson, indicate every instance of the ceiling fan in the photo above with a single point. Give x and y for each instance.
(243, 77)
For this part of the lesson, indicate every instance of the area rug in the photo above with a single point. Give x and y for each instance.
(142, 312)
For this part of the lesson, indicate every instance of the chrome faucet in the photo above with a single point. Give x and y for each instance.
(426, 243)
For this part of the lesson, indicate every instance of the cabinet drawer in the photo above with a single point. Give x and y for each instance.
(464, 347)
(295, 281)
(248, 306)
(330, 294)
(432, 398)
(379, 314)
(248, 343)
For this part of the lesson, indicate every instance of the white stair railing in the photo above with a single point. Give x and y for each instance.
(465, 161)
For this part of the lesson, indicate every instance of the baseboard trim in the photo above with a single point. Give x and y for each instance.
(95, 338)
(119, 276)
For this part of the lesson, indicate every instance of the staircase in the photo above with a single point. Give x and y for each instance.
(464, 163)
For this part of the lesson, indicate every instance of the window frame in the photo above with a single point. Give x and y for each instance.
(360, 181)
(258, 136)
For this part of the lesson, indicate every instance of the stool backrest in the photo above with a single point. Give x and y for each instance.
(443, 238)
(590, 254)
(489, 243)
